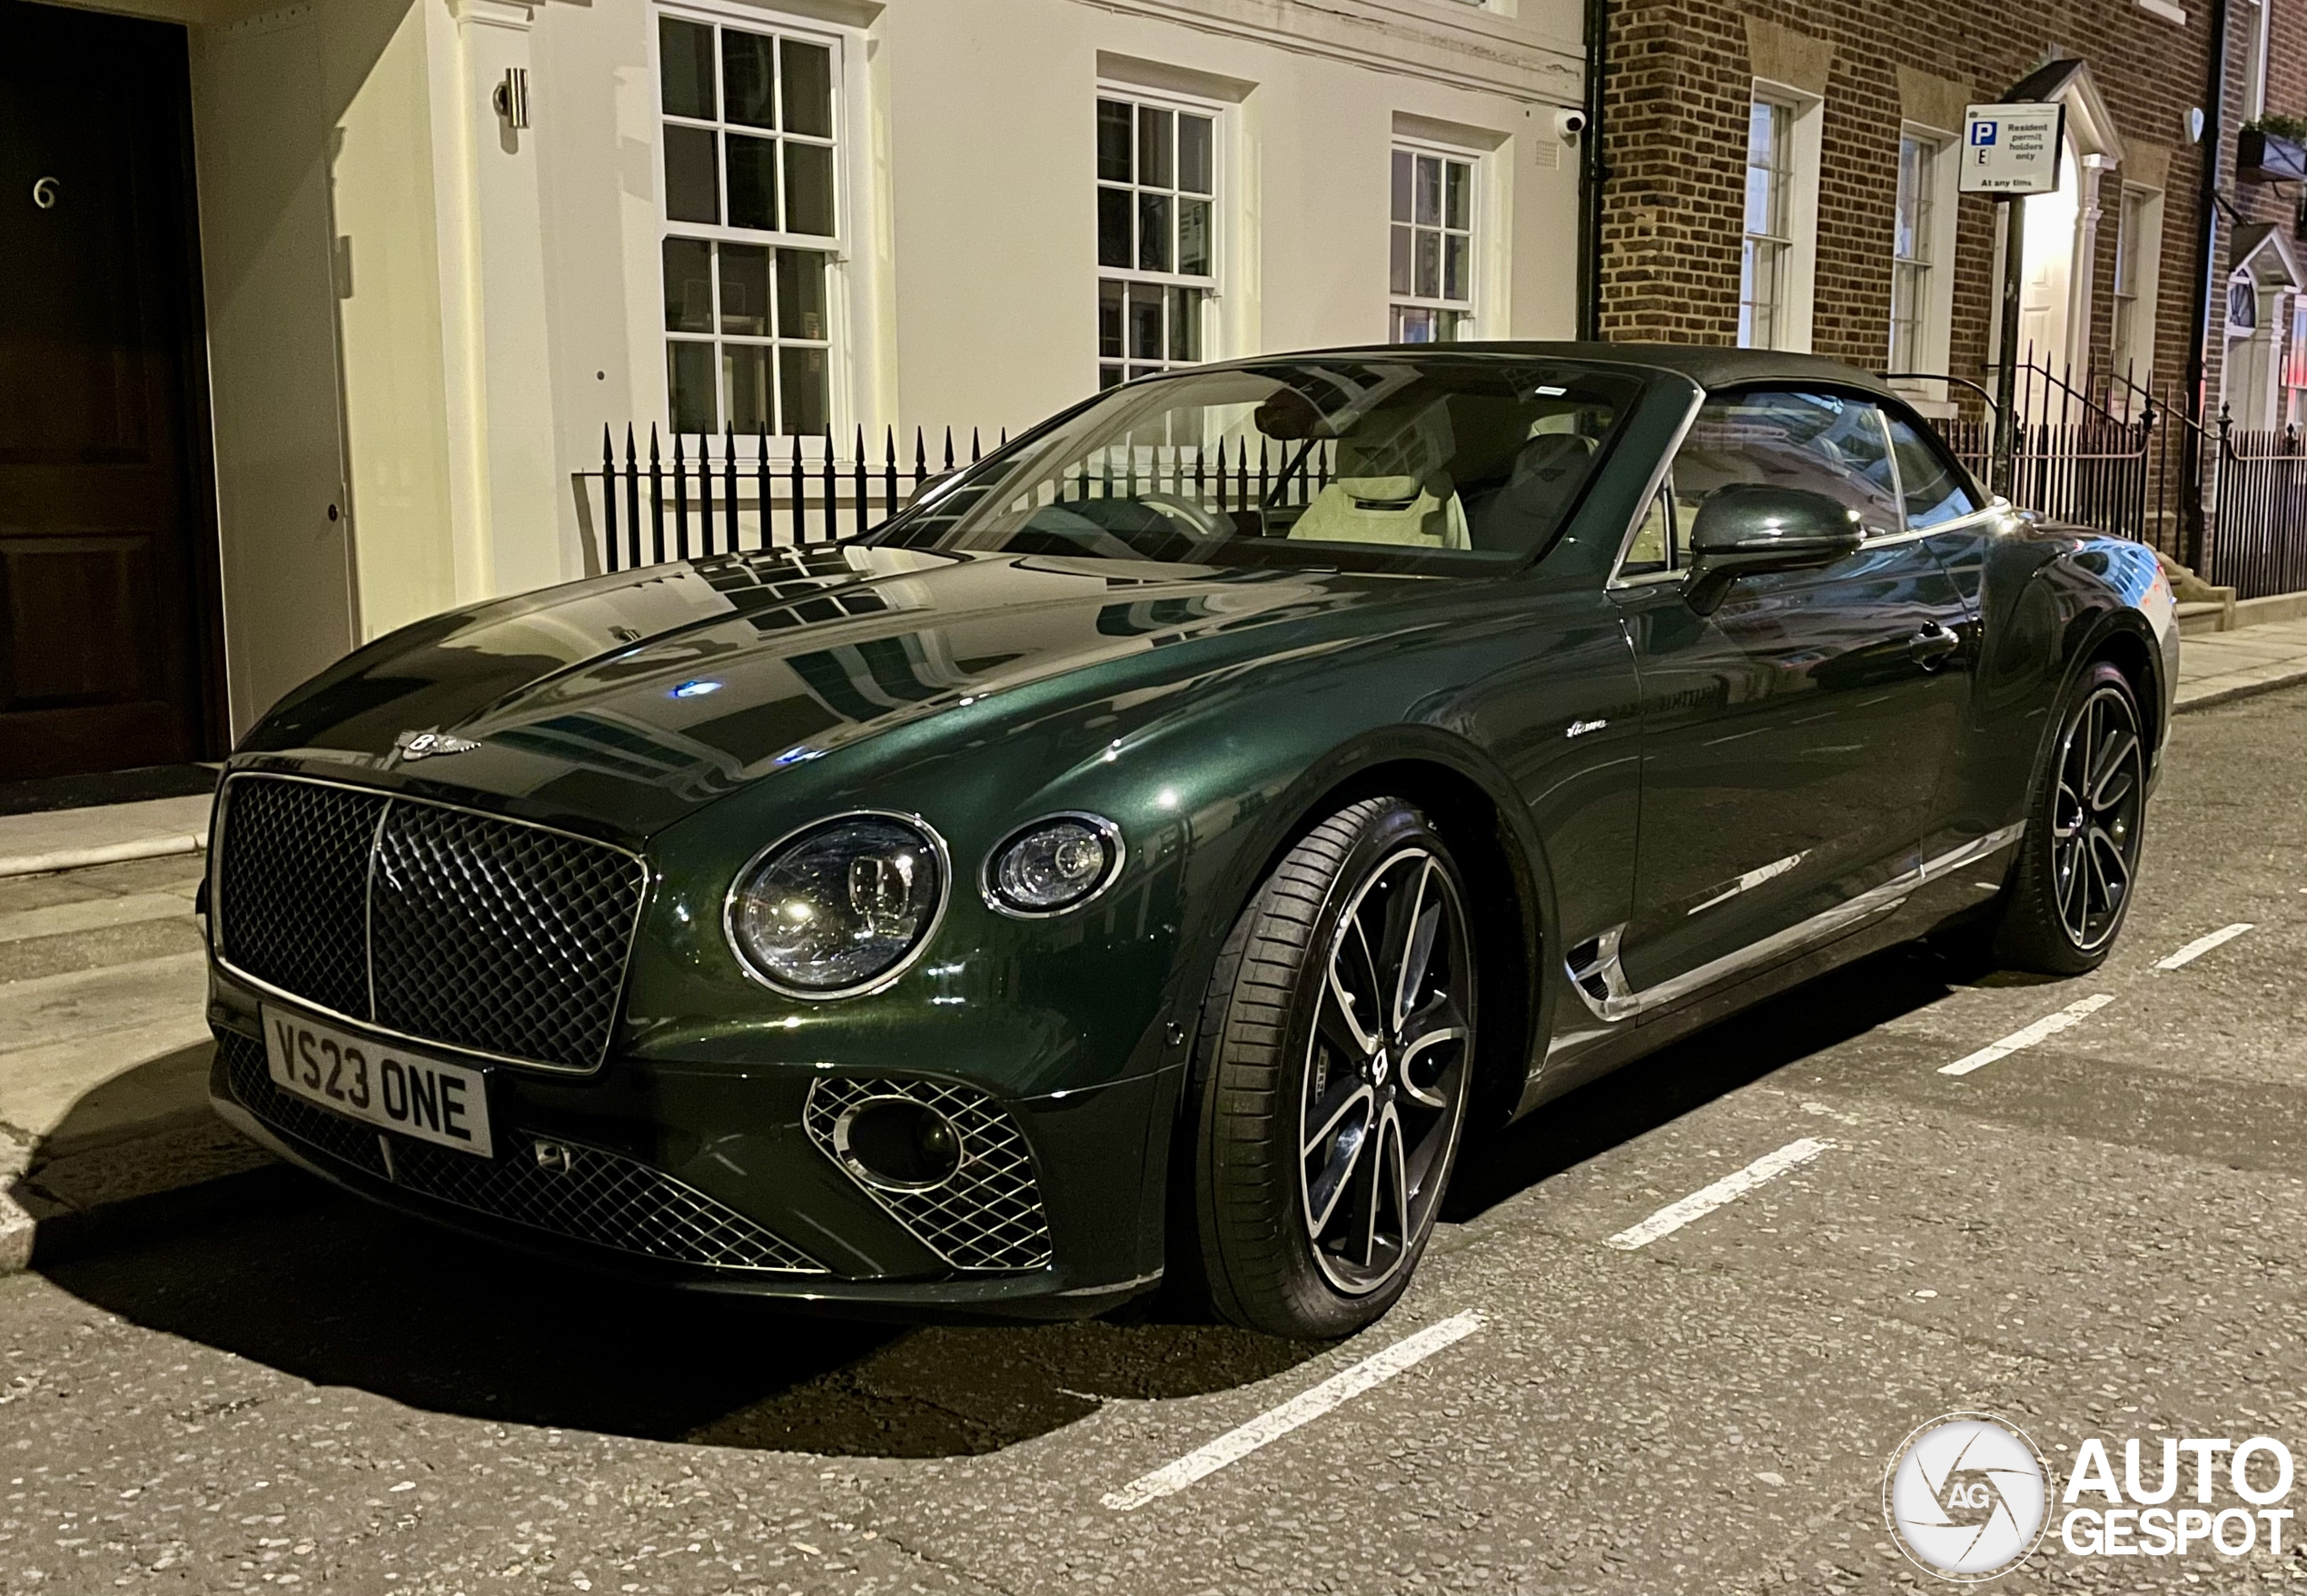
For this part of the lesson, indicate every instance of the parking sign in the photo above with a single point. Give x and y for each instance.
(2011, 149)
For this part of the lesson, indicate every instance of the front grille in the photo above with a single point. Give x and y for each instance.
(988, 1215)
(295, 868)
(437, 923)
(601, 1197)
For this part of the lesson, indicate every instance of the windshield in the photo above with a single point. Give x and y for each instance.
(1429, 464)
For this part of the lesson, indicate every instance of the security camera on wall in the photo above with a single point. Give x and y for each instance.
(1569, 121)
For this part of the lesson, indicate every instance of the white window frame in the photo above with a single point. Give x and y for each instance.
(845, 290)
(1479, 231)
(1934, 316)
(2139, 210)
(1793, 311)
(1224, 186)
(2254, 62)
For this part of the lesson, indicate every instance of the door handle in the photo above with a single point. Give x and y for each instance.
(1929, 646)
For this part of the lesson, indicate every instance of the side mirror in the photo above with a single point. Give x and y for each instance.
(1749, 527)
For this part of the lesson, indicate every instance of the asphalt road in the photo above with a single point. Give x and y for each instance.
(2098, 1235)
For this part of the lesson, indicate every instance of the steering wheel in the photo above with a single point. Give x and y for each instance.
(1197, 521)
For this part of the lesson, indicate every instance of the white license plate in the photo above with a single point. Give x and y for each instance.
(383, 1084)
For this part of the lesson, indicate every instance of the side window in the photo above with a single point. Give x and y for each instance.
(1824, 443)
(1933, 486)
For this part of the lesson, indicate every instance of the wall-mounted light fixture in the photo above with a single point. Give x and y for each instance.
(511, 97)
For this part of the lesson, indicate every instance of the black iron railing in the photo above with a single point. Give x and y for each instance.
(2257, 539)
(688, 502)
(703, 495)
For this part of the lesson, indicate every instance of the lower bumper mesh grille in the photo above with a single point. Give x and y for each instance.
(988, 1215)
(601, 1197)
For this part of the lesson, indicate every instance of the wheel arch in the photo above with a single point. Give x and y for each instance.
(1473, 805)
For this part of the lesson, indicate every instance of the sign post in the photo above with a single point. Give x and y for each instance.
(2010, 152)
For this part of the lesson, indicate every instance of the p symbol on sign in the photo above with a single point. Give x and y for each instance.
(1983, 132)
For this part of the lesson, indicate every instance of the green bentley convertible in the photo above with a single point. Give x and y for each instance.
(1153, 852)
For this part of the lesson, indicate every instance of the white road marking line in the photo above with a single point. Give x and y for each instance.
(1728, 1189)
(2049, 1026)
(2202, 945)
(1303, 1409)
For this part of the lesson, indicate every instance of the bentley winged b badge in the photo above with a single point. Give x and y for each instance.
(424, 744)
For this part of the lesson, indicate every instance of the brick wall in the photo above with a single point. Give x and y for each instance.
(1679, 83)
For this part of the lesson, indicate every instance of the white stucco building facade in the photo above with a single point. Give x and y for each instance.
(777, 215)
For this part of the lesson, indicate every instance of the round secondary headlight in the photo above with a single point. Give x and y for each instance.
(840, 906)
(1053, 864)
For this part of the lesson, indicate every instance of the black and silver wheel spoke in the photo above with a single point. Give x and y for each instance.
(2095, 820)
(1386, 1070)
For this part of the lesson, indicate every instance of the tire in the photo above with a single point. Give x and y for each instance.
(2071, 885)
(1322, 1146)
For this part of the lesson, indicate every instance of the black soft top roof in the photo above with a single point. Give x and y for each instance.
(1707, 365)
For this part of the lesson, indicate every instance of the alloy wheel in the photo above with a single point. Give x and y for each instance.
(1386, 1071)
(2094, 818)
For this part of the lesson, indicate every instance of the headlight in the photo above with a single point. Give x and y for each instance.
(1053, 864)
(835, 908)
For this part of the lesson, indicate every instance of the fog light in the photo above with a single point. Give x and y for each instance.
(898, 1144)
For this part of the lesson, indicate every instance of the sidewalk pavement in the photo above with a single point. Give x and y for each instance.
(104, 1048)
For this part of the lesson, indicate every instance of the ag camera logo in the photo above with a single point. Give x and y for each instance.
(1966, 1497)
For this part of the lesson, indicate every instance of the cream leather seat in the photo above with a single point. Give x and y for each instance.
(1384, 510)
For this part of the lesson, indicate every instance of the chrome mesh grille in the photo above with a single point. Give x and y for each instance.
(601, 1197)
(438, 923)
(989, 1216)
(293, 881)
(501, 938)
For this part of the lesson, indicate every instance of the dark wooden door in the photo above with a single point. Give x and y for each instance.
(108, 635)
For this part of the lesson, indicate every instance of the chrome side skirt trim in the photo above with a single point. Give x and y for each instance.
(1600, 978)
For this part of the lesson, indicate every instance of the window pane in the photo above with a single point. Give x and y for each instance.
(1757, 199)
(752, 182)
(809, 188)
(748, 86)
(1185, 324)
(691, 195)
(1153, 144)
(1145, 341)
(1398, 279)
(801, 377)
(1193, 258)
(1429, 265)
(1197, 154)
(1114, 213)
(1818, 442)
(689, 285)
(1933, 485)
(745, 375)
(1412, 325)
(1110, 297)
(1152, 233)
(808, 88)
(688, 371)
(1762, 132)
(1454, 266)
(1455, 182)
(744, 290)
(685, 68)
(1429, 212)
(1113, 141)
(1109, 377)
(800, 294)
(1401, 183)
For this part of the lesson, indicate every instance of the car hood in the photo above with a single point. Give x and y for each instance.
(630, 701)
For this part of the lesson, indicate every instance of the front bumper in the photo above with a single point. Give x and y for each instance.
(708, 1177)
